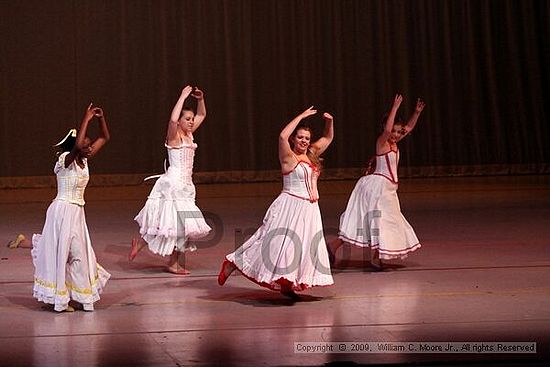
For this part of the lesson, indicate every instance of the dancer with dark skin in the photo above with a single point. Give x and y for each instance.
(66, 269)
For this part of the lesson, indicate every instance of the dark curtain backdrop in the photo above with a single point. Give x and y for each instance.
(482, 67)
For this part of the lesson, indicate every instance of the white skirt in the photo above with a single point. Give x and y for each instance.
(289, 246)
(64, 260)
(373, 218)
(170, 218)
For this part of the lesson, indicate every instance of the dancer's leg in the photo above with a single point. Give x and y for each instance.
(332, 247)
(376, 262)
(174, 265)
(20, 241)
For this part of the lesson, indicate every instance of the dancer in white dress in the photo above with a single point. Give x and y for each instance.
(288, 252)
(170, 217)
(63, 257)
(373, 215)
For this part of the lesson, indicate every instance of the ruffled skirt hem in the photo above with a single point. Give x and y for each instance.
(288, 247)
(47, 292)
(169, 225)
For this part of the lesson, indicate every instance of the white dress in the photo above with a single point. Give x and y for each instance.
(373, 215)
(290, 244)
(63, 257)
(170, 217)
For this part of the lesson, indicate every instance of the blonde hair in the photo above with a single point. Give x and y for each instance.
(315, 159)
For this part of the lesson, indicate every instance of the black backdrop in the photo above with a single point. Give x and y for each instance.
(482, 67)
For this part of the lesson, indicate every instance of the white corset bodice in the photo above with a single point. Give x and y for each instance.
(386, 165)
(302, 182)
(71, 181)
(181, 161)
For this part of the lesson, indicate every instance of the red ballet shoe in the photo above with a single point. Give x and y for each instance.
(223, 275)
(133, 250)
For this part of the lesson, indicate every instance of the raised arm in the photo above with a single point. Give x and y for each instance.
(104, 134)
(383, 138)
(80, 136)
(201, 108)
(420, 104)
(285, 151)
(323, 142)
(172, 131)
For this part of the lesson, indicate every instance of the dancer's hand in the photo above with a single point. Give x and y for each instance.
(397, 101)
(197, 93)
(328, 117)
(185, 92)
(98, 112)
(310, 111)
(90, 112)
(420, 104)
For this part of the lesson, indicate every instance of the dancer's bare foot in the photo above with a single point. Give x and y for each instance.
(177, 270)
(175, 266)
(227, 268)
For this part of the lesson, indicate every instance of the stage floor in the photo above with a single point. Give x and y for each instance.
(481, 276)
